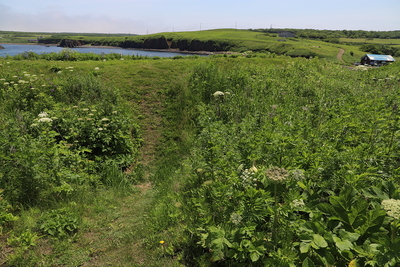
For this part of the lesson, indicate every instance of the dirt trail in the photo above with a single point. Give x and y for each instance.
(339, 55)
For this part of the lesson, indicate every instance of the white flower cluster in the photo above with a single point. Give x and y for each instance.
(276, 174)
(218, 94)
(298, 203)
(248, 179)
(297, 174)
(43, 114)
(44, 117)
(392, 207)
(236, 218)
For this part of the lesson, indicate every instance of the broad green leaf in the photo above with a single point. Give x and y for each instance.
(320, 241)
(305, 237)
(302, 185)
(307, 263)
(352, 237)
(254, 256)
(327, 209)
(374, 220)
(305, 247)
(343, 244)
(217, 255)
(329, 259)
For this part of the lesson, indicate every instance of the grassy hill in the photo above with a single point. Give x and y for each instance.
(221, 40)
(224, 40)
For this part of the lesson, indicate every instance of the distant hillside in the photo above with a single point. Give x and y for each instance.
(331, 34)
(291, 42)
(214, 41)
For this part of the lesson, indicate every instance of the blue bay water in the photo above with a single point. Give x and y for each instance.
(15, 49)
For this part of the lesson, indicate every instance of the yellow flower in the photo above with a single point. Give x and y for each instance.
(353, 263)
(162, 242)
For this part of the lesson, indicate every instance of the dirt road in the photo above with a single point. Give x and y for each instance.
(340, 54)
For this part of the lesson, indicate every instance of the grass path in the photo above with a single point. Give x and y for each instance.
(123, 241)
(339, 55)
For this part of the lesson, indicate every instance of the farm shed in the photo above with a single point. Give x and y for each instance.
(372, 59)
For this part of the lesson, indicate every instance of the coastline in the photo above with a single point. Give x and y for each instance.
(205, 53)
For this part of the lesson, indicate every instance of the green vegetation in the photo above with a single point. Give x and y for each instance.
(334, 34)
(229, 160)
(305, 43)
(31, 37)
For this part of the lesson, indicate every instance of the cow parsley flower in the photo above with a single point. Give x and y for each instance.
(298, 203)
(43, 114)
(236, 218)
(392, 207)
(276, 174)
(218, 94)
(248, 179)
(45, 120)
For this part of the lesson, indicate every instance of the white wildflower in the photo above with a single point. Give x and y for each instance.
(45, 120)
(276, 174)
(97, 68)
(392, 207)
(218, 94)
(43, 114)
(236, 218)
(297, 174)
(248, 179)
(298, 203)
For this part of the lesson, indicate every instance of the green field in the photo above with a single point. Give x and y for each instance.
(371, 41)
(226, 40)
(28, 37)
(227, 160)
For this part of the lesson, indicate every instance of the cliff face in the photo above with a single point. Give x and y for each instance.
(182, 45)
(159, 43)
(197, 45)
(70, 43)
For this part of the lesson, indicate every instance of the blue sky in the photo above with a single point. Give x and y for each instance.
(152, 16)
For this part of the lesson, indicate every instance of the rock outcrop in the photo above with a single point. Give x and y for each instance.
(197, 45)
(160, 43)
(70, 43)
(182, 45)
(149, 43)
(2, 47)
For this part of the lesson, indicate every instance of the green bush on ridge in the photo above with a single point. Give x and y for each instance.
(57, 130)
